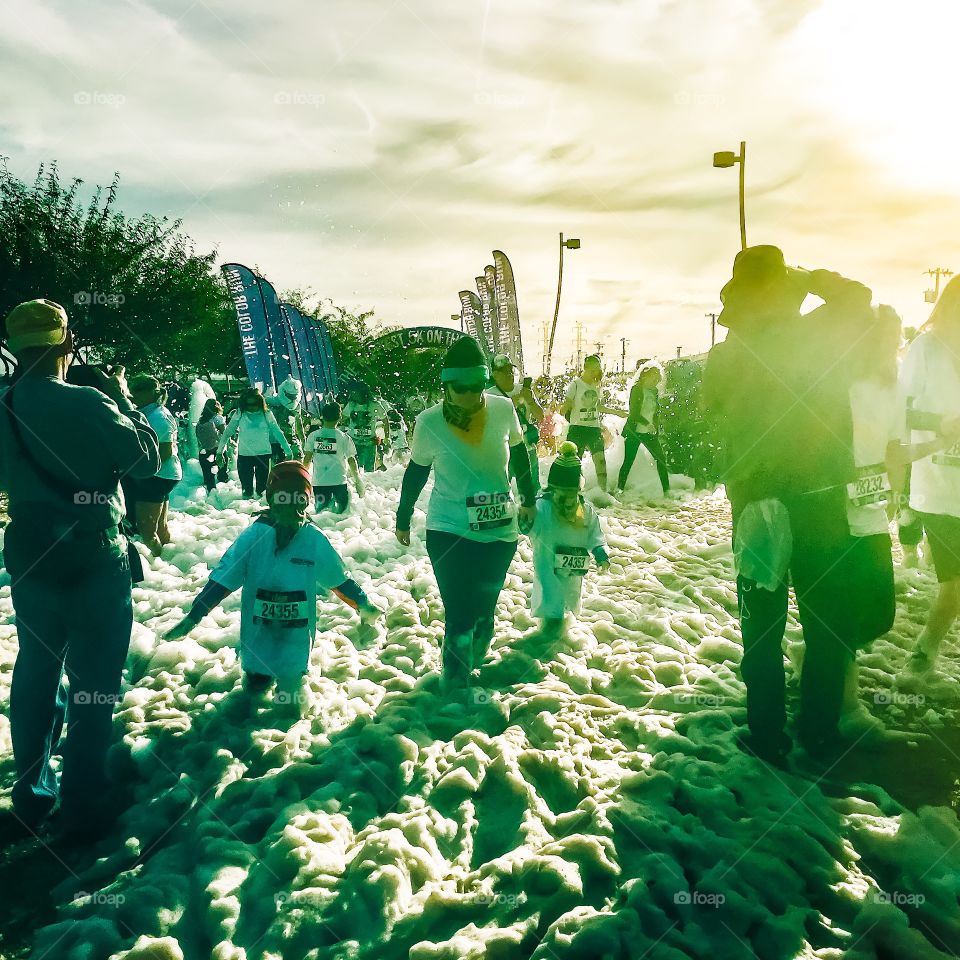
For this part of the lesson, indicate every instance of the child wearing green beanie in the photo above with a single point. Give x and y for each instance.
(565, 534)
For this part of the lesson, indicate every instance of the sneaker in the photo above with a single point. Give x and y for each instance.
(859, 723)
(919, 662)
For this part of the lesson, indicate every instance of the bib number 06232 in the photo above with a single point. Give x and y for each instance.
(487, 511)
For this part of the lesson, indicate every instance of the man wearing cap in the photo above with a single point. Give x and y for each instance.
(778, 388)
(63, 450)
(529, 411)
(288, 412)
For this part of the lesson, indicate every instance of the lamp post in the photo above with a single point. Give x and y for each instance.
(571, 244)
(727, 158)
(713, 328)
(458, 318)
(932, 296)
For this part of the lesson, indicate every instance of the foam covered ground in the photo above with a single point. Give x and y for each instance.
(590, 802)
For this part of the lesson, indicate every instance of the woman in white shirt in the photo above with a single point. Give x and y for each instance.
(256, 431)
(472, 441)
(930, 384)
(153, 494)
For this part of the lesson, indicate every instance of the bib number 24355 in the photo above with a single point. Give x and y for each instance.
(487, 511)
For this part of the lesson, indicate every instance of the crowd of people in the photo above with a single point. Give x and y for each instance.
(819, 424)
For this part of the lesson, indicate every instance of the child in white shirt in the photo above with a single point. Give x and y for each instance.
(331, 452)
(565, 533)
(282, 563)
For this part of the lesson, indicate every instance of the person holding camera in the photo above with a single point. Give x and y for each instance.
(529, 411)
(63, 451)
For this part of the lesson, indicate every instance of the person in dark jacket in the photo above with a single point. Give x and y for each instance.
(63, 451)
(778, 389)
(641, 426)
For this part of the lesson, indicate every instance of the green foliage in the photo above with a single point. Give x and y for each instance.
(136, 290)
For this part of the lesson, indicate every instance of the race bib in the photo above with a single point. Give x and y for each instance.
(589, 415)
(362, 433)
(281, 608)
(325, 446)
(871, 486)
(487, 511)
(949, 457)
(573, 561)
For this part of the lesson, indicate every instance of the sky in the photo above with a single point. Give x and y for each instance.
(376, 152)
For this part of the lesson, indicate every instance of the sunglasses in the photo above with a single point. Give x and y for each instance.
(477, 386)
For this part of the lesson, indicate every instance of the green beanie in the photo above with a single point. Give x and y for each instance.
(565, 470)
(464, 360)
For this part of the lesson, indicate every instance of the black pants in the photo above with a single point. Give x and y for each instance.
(872, 587)
(333, 498)
(213, 467)
(470, 576)
(823, 565)
(631, 443)
(253, 472)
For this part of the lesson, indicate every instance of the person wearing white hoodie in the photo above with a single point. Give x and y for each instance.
(288, 411)
(256, 431)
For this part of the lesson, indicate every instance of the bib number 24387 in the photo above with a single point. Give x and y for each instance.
(487, 511)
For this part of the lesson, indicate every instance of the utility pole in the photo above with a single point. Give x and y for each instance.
(932, 296)
(678, 353)
(623, 354)
(713, 328)
(599, 346)
(579, 343)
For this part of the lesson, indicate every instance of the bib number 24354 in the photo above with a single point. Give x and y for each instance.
(487, 511)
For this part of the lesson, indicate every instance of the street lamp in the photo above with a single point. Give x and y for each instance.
(571, 244)
(727, 158)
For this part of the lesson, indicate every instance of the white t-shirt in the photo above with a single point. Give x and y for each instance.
(256, 432)
(560, 550)
(930, 379)
(471, 490)
(584, 402)
(278, 605)
(877, 417)
(331, 449)
(165, 427)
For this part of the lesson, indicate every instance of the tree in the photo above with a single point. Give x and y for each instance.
(136, 290)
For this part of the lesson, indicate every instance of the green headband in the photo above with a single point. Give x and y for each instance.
(464, 374)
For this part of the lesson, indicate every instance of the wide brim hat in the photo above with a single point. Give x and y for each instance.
(761, 283)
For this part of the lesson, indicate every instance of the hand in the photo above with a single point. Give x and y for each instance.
(360, 488)
(526, 518)
(403, 536)
(114, 387)
(180, 629)
(603, 567)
